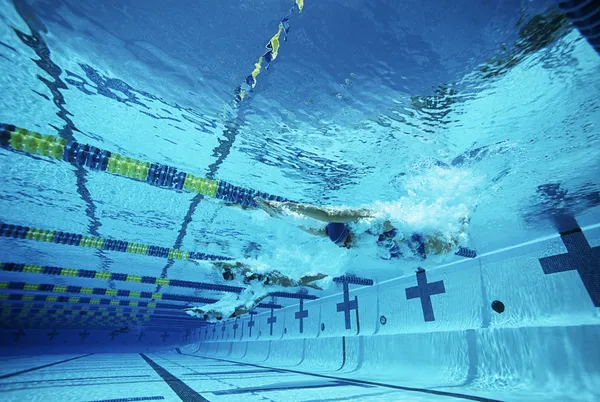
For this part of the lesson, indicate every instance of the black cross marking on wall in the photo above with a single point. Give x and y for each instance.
(223, 331)
(113, 335)
(52, 334)
(251, 323)
(235, 327)
(141, 335)
(272, 320)
(424, 291)
(164, 336)
(301, 315)
(84, 334)
(580, 257)
(347, 305)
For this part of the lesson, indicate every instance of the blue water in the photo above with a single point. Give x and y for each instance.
(475, 120)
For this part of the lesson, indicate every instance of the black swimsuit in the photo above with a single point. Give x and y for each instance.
(416, 243)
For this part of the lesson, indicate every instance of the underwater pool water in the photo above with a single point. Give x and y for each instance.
(470, 120)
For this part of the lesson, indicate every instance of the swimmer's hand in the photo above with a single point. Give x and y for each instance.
(221, 264)
(307, 281)
(273, 208)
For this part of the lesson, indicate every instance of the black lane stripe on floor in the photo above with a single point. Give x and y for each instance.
(183, 391)
(4, 384)
(234, 372)
(2, 377)
(288, 387)
(135, 399)
(379, 384)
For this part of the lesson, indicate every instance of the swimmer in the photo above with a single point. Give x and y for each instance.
(238, 270)
(214, 312)
(341, 234)
(249, 298)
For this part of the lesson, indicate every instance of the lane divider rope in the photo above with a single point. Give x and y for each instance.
(87, 156)
(84, 300)
(73, 239)
(84, 273)
(48, 311)
(46, 287)
(41, 321)
(59, 312)
(271, 54)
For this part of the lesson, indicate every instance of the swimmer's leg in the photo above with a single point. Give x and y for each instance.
(465, 251)
(277, 278)
(241, 310)
(440, 244)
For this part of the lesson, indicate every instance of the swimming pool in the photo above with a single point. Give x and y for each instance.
(159, 123)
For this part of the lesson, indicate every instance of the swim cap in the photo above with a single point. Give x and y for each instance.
(337, 231)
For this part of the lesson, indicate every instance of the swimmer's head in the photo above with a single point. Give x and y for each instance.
(228, 275)
(339, 233)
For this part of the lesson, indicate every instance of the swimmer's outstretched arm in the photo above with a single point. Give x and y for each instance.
(223, 264)
(275, 209)
(316, 232)
(277, 278)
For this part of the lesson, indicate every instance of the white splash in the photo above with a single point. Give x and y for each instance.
(440, 200)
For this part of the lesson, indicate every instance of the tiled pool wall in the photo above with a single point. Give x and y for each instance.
(438, 328)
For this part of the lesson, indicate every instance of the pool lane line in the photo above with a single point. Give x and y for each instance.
(95, 325)
(122, 277)
(11, 313)
(182, 390)
(379, 384)
(2, 377)
(17, 313)
(271, 54)
(11, 305)
(79, 240)
(48, 287)
(87, 156)
(164, 308)
(28, 310)
(55, 322)
(133, 399)
(4, 384)
(59, 320)
(29, 298)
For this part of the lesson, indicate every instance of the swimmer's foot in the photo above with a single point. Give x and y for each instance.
(466, 252)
